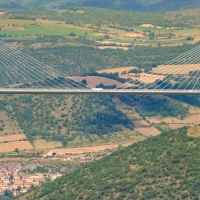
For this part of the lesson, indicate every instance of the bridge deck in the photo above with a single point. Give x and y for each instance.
(99, 91)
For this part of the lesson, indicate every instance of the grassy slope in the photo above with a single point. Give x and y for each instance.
(164, 167)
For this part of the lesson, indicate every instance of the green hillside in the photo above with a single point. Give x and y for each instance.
(71, 118)
(163, 167)
(139, 5)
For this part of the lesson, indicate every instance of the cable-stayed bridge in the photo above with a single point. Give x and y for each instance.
(22, 74)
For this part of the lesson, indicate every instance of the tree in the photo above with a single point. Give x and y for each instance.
(17, 150)
(84, 82)
(19, 188)
(8, 193)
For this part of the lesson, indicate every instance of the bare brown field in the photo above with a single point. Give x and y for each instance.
(43, 144)
(119, 70)
(148, 131)
(93, 81)
(88, 149)
(10, 127)
(194, 131)
(9, 138)
(145, 128)
(176, 69)
(11, 146)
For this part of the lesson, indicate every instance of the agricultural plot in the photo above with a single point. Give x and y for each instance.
(9, 143)
(119, 70)
(10, 138)
(43, 144)
(93, 81)
(176, 69)
(11, 146)
(191, 120)
(93, 149)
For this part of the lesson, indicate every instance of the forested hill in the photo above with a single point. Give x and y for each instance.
(136, 5)
(163, 167)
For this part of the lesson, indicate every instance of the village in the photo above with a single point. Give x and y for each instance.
(75, 156)
(14, 176)
(18, 177)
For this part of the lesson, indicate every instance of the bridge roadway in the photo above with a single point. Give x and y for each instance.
(99, 91)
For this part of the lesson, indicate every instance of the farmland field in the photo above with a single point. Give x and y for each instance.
(176, 69)
(119, 70)
(43, 144)
(93, 81)
(11, 138)
(89, 149)
(11, 146)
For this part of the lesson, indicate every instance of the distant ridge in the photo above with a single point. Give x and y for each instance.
(135, 5)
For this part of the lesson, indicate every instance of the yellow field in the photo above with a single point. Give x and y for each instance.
(9, 138)
(11, 146)
(43, 144)
(17, 22)
(119, 70)
(143, 77)
(176, 69)
(88, 149)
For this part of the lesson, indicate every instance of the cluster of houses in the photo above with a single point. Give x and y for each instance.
(13, 177)
(79, 157)
(67, 157)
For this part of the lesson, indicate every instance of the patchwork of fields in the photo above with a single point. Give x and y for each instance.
(107, 35)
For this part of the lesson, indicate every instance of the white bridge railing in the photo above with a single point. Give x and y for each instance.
(97, 91)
